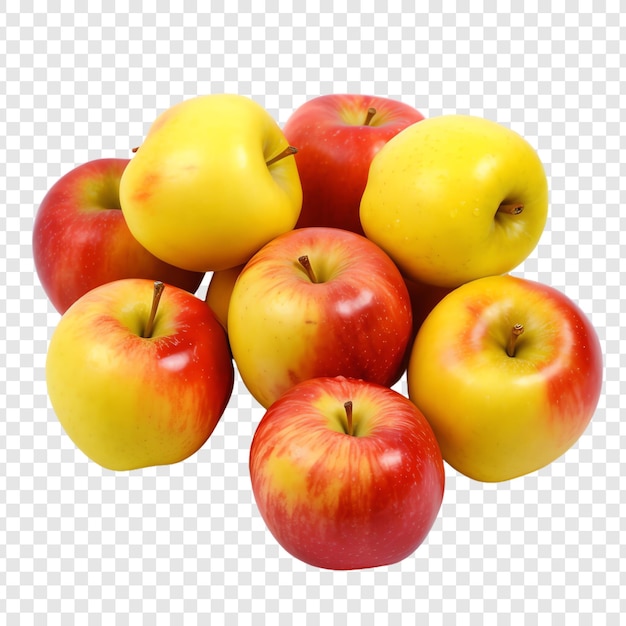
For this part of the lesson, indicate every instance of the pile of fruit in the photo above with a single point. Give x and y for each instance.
(358, 244)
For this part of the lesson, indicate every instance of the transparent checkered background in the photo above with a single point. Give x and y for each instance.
(156, 545)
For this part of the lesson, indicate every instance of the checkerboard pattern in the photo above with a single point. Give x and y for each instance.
(185, 543)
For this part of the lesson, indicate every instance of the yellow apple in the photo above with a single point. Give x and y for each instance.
(219, 292)
(454, 198)
(208, 187)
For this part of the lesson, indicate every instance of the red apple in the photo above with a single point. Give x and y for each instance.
(346, 486)
(136, 380)
(318, 302)
(508, 372)
(337, 137)
(81, 240)
(424, 297)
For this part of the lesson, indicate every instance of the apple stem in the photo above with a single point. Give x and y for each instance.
(516, 331)
(306, 264)
(156, 297)
(370, 114)
(511, 208)
(285, 153)
(348, 407)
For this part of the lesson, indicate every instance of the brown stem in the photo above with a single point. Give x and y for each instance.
(133, 150)
(512, 208)
(306, 264)
(516, 331)
(348, 407)
(156, 297)
(281, 155)
(370, 114)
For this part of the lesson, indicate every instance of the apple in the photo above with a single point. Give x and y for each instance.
(337, 136)
(318, 302)
(213, 182)
(219, 292)
(423, 299)
(81, 240)
(138, 373)
(346, 474)
(455, 198)
(508, 372)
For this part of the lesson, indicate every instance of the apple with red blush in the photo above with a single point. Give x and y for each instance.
(81, 239)
(318, 302)
(347, 474)
(337, 136)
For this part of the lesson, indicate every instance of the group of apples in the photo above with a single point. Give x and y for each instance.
(359, 243)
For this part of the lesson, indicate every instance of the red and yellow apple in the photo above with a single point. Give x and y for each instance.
(318, 302)
(337, 136)
(213, 182)
(508, 372)
(455, 198)
(136, 381)
(81, 240)
(346, 474)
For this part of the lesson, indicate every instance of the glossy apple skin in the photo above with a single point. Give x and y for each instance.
(341, 501)
(81, 240)
(198, 192)
(355, 321)
(335, 149)
(499, 417)
(130, 402)
(433, 194)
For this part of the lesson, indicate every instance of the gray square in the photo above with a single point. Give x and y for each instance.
(187, 541)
